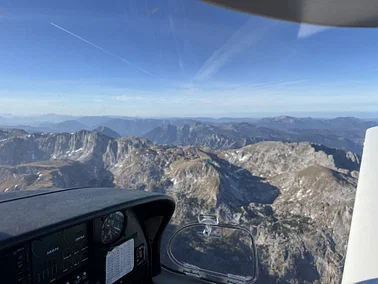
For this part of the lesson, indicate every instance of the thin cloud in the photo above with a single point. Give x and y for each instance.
(264, 101)
(245, 37)
(280, 83)
(172, 26)
(102, 49)
(126, 98)
(204, 103)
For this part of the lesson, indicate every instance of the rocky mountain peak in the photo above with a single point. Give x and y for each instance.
(107, 131)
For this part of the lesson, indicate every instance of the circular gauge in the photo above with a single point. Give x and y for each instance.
(112, 227)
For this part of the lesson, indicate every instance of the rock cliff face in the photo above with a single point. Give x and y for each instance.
(299, 196)
(311, 217)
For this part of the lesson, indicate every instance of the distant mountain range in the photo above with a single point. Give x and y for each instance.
(237, 135)
(339, 123)
(299, 196)
(216, 136)
(133, 127)
(345, 133)
(280, 122)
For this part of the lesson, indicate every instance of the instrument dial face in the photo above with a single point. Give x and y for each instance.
(112, 227)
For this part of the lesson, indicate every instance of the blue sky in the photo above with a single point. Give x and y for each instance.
(177, 58)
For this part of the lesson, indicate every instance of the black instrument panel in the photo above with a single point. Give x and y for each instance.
(112, 244)
(56, 255)
(80, 252)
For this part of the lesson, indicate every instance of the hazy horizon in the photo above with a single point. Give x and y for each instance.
(320, 115)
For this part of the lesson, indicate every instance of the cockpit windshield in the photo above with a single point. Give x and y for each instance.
(253, 124)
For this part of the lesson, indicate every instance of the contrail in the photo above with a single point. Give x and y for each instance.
(103, 50)
(171, 24)
(242, 39)
(96, 46)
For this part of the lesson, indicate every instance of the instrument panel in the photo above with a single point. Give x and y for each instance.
(104, 250)
(93, 242)
(58, 254)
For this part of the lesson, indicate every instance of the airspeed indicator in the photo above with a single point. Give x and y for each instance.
(112, 227)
